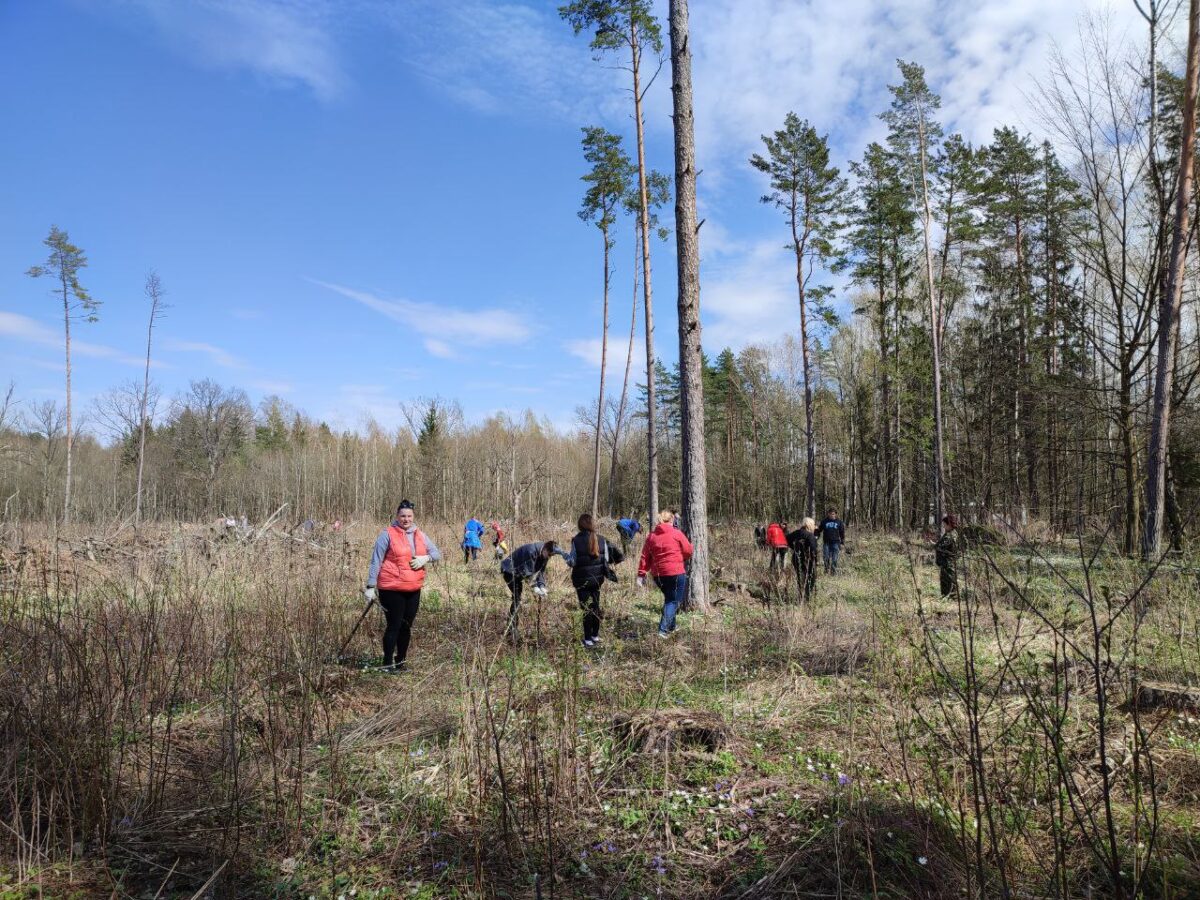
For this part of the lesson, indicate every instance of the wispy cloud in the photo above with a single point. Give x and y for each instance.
(285, 41)
(504, 57)
(590, 351)
(216, 355)
(15, 325)
(438, 325)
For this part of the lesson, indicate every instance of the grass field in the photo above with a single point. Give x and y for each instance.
(176, 725)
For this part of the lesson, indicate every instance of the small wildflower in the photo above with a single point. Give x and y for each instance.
(843, 779)
(922, 860)
(440, 865)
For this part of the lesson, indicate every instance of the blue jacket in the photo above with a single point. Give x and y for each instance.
(473, 533)
(633, 526)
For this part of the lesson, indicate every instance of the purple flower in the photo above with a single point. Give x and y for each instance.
(440, 865)
(583, 854)
(843, 779)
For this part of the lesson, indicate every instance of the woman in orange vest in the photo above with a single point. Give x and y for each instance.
(402, 551)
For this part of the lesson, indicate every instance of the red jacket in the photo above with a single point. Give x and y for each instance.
(665, 551)
(776, 536)
(396, 574)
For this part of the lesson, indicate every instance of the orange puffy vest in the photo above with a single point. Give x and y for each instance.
(396, 574)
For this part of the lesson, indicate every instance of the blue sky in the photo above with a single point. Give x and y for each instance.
(355, 202)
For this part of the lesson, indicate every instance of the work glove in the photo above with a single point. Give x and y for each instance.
(641, 581)
(419, 562)
(540, 590)
(370, 594)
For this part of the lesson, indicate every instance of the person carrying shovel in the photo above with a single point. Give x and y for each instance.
(397, 574)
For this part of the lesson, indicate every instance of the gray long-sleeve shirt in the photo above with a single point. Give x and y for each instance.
(385, 540)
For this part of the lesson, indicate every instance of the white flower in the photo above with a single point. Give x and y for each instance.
(922, 860)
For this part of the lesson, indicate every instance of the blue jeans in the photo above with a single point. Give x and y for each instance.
(830, 555)
(674, 589)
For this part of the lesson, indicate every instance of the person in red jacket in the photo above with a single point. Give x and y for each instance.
(398, 564)
(664, 556)
(777, 543)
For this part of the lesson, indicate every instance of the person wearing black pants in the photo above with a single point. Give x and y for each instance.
(803, 542)
(589, 560)
(526, 562)
(399, 611)
(398, 564)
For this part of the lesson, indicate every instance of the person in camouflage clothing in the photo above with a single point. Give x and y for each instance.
(946, 553)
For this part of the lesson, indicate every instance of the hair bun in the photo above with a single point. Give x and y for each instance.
(405, 504)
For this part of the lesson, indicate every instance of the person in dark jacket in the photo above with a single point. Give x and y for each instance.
(803, 542)
(590, 559)
(665, 556)
(946, 552)
(760, 537)
(833, 535)
(527, 562)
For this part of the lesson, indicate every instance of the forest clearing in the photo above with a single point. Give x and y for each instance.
(952, 315)
(178, 725)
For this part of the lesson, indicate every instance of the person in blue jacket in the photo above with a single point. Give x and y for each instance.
(472, 541)
(627, 528)
(526, 562)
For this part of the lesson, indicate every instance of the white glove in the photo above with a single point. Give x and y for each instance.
(370, 594)
(540, 590)
(641, 581)
(419, 562)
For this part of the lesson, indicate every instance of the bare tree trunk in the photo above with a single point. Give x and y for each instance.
(70, 430)
(810, 483)
(935, 333)
(1169, 306)
(612, 471)
(651, 431)
(694, 488)
(154, 292)
(603, 369)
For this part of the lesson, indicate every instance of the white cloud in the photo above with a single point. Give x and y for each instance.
(589, 350)
(285, 41)
(504, 57)
(217, 356)
(24, 328)
(439, 348)
(439, 325)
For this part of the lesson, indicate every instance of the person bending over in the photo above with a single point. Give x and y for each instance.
(526, 563)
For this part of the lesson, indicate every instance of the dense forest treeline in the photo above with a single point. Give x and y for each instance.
(1046, 258)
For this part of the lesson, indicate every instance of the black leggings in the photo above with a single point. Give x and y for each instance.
(400, 610)
(515, 585)
(589, 602)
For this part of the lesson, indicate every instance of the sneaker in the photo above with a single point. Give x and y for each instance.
(664, 634)
(596, 639)
(588, 642)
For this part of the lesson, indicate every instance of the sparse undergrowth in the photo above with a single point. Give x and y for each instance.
(173, 709)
